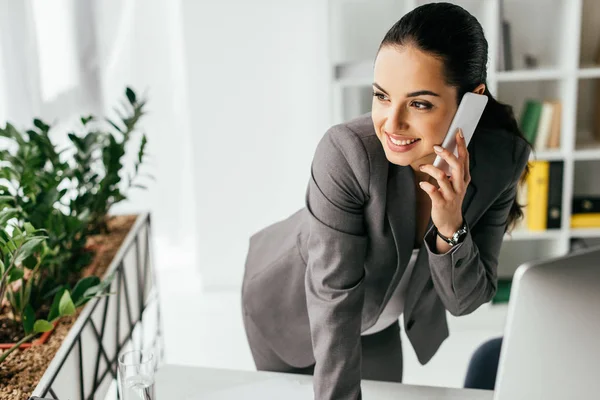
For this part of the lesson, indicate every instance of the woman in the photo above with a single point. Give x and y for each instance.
(323, 289)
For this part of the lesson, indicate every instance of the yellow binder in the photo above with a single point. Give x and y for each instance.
(537, 195)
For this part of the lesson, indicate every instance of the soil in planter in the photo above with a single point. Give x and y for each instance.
(21, 371)
(10, 331)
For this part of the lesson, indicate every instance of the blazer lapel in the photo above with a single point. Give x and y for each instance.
(401, 209)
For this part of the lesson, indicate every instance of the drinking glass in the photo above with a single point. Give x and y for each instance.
(136, 375)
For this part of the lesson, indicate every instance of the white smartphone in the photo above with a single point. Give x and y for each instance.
(467, 117)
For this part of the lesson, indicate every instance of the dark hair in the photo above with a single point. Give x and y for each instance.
(453, 35)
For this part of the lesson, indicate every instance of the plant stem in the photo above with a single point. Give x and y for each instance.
(3, 283)
(16, 346)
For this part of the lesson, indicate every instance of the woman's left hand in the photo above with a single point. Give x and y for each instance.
(446, 202)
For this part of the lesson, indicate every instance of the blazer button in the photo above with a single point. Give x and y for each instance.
(409, 324)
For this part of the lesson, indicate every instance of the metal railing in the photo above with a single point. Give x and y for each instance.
(86, 363)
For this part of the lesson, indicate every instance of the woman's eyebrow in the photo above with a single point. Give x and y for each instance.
(412, 94)
(380, 88)
(422, 93)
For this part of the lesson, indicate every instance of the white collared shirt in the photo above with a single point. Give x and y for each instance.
(395, 306)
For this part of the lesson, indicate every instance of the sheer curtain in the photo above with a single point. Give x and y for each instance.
(65, 58)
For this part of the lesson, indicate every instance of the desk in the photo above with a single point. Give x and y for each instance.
(177, 382)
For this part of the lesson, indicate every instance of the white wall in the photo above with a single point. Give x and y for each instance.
(259, 102)
(140, 44)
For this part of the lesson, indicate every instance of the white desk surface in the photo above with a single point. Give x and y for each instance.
(179, 382)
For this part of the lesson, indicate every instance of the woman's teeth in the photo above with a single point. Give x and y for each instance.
(402, 142)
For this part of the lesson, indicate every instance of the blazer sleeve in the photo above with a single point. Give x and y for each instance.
(466, 276)
(337, 192)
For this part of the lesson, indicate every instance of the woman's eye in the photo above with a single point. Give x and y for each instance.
(421, 106)
(380, 96)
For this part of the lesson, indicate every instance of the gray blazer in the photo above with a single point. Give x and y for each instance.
(314, 281)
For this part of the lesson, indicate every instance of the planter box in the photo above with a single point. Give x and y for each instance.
(86, 363)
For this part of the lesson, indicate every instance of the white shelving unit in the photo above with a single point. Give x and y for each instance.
(564, 35)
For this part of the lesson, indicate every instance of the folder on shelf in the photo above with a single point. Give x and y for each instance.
(589, 220)
(537, 195)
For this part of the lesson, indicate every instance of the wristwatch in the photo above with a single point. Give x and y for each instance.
(457, 237)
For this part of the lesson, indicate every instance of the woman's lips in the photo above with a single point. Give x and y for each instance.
(401, 148)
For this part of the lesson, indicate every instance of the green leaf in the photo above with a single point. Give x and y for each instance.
(82, 287)
(30, 262)
(29, 228)
(55, 309)
(7, 199)
(7, 214)
(114, 125)
(66, 306)
(41, 125)
(28, 319)
(28, 248)
(85, 120)
(41, 326)
(2, 267)
(15, 274)
(130, 95)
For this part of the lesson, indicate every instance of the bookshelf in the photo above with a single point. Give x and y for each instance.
(564, 38)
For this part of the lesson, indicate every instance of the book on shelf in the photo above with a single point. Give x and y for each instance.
(504, 48)
(554, 136)
(544, 195)
(540, 123)
(502, 295)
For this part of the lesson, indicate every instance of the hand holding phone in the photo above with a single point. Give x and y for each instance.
(467, 117)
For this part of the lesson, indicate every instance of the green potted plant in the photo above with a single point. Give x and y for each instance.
(54, 217)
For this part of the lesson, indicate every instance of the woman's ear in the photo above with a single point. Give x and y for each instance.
(480, 89)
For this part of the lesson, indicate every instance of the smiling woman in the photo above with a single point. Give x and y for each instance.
(385, 233)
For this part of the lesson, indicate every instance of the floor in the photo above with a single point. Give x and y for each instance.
(205, 329)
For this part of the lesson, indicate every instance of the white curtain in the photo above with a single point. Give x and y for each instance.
(61, 59)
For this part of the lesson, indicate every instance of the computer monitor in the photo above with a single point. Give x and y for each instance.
(551, 346)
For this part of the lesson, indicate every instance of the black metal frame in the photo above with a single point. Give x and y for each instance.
(73, 341)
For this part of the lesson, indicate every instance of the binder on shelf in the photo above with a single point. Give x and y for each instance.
(586, 204)
(555, 188)
(537, 195)
(588, 220)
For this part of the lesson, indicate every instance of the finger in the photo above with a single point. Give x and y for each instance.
(440, 176)
(434, 194)
(463, 155)
(457, 167)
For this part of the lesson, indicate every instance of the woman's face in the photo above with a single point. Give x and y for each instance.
(412, 104)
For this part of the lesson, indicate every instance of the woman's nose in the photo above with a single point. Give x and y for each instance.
(396, 121)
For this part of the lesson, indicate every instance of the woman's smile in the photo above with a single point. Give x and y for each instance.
(401, 144)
